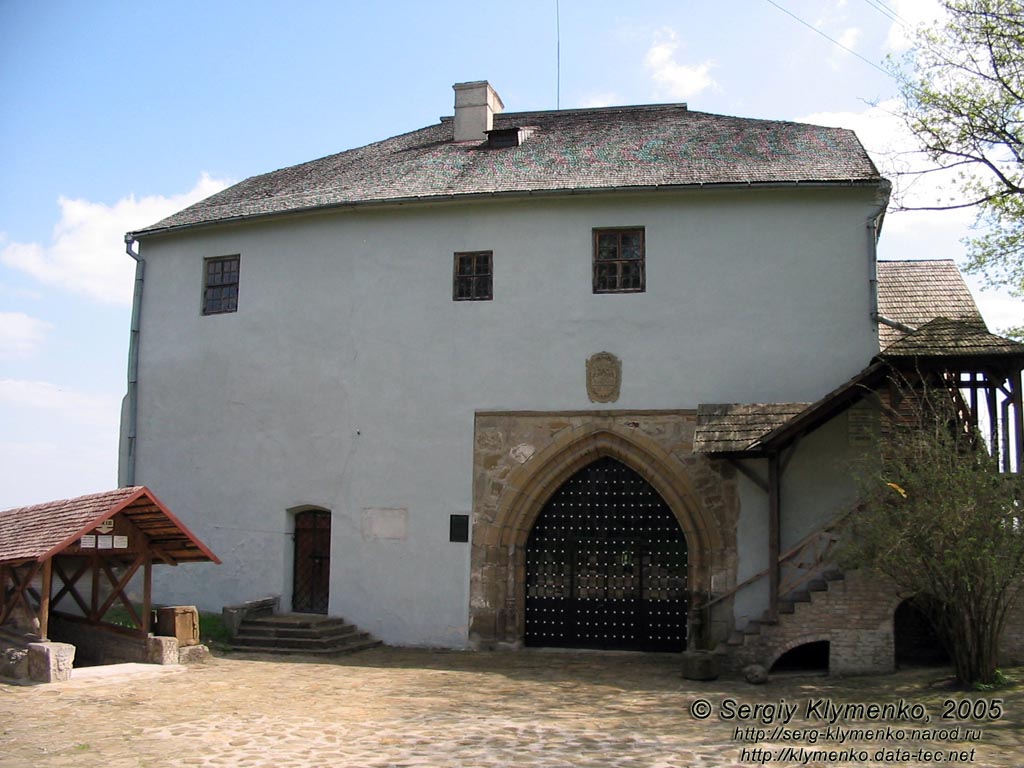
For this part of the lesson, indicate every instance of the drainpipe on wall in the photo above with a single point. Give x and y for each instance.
(133, 363)
(874, 226)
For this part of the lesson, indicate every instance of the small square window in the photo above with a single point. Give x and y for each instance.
(220, 285)
(619, 260)
(472, 276)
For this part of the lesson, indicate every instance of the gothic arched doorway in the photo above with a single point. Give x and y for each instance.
(606, 565)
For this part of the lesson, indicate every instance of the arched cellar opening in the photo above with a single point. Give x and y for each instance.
(807, 657)
(916, 642)
(606, 565)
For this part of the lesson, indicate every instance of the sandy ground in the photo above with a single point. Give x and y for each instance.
(400, 707)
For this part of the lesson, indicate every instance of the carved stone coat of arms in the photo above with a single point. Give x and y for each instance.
(604, 377)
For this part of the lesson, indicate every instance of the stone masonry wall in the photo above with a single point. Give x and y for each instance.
(854, 615)
(521, 458)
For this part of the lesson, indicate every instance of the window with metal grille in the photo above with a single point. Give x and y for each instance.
(220, 285)
(619, 260)
(472, 276)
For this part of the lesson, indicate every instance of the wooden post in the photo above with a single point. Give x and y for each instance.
(1018, 419)
(44, 599)
(94, 598)
(773, 535)
(974, 400)
(4, 569)
(993, 415)
(147, 593)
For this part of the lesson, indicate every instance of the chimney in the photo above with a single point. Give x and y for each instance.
(476, 104)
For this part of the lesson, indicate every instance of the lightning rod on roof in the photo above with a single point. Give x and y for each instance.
(558, 58)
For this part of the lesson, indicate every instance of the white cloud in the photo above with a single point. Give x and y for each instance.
(86, 254)
(911, 14)
(928, 234)
(60, 401)
(894, 149)
(69, 463)
(850, 37)
(675, 80)
(56, 442)
(21, 334)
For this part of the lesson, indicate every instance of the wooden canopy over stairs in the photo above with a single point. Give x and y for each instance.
(99, 541)
(980, 370)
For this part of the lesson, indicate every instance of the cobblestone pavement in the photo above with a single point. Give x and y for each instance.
(399, 707)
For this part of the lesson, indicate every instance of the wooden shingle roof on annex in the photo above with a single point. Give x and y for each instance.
(41, 531)
(953, 339)
(612, 148)
(915, 292)
(738, 427)
(754, 429)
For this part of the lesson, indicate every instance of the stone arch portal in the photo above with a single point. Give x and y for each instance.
(606, 565)
(502, 531)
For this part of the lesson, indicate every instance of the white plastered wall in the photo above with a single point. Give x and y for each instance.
(818, 483)
(348, 378)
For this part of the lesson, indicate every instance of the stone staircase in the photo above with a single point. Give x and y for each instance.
(300, 633)
(808, 611)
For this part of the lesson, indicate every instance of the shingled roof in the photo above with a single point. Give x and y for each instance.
(737, 427)
(913, 293)
(946, 338)
(568, 151)
(40, 531)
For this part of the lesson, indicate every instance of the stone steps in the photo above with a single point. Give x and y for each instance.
(299, 634)
(741, 642)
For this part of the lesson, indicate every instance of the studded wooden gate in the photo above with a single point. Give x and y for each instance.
(312, 561)
(606, 566)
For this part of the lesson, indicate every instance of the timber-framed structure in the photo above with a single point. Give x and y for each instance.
(84, 553)
(980, 370)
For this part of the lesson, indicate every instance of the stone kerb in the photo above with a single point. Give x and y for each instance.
(50, 662)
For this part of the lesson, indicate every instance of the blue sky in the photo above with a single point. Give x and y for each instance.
(116, 114)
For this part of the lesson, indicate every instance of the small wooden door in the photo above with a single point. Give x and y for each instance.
(312, 561)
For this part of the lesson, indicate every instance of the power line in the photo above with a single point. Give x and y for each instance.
(893, 13)
(882, 9)
(830, 39)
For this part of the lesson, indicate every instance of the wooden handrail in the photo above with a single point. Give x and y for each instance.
(792, 551)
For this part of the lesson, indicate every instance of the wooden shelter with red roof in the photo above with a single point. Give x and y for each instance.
(92, 547)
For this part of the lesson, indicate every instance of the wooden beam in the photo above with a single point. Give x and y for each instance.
(974, 401)
(118, 591)
(17, 594)
(94, 597)
(69, 586)
(44, 599)
(993, 418)
(147, 593)
(5, 571)
(1006, 434)
(1018, 420)
(774, 489)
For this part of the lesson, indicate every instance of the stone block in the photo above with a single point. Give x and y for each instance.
(701, 665)
(755, 674)
(161, 650)
(50, 662)
(14, 663)
(194, 654)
